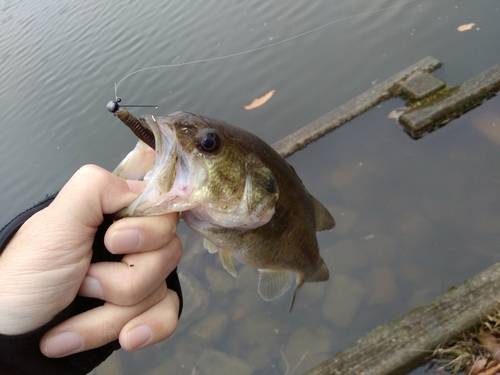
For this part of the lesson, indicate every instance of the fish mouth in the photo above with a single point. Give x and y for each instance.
(169, 178)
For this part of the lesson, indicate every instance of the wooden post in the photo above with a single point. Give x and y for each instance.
(402, 345)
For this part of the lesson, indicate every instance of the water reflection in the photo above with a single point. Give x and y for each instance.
(414, 218)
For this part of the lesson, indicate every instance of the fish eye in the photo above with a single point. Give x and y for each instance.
(208, 140)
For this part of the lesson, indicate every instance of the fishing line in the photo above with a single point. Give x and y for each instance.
(257, 48)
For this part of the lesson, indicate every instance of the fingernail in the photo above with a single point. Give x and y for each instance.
(63, 344)
(91, 288)
(139, 336)
(125, 240)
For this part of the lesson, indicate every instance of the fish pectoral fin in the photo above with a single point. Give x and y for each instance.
(212, 249)
(227, 263)
(273, 283)
(323, 219)
(224, 255)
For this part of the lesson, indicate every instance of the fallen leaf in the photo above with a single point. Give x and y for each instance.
(489, 125)
(490, 343)
(478, 366)
(491, 371)
(260, 101)
(466, 27)
(396, 113)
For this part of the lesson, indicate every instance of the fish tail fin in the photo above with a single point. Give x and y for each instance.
(321, 273)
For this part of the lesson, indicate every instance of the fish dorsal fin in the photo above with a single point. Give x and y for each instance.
(295, 173)
(224, 255)
(261, 188)
(273, 283)
(323, 220)
(212, 249)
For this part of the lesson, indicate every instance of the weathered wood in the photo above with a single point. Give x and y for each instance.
(354, 107)
(402, 345)
(421, 84)
(455, 102)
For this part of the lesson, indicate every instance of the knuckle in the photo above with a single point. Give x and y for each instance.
(126, 290)
(176, 249)
(109, 330)
(158, 295)
(89, 171)
(171, 313)
(128, 293)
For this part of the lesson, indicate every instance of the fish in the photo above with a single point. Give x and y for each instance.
(236, 191)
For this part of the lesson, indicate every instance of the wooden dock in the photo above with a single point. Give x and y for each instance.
(430, 104)
(404, 344)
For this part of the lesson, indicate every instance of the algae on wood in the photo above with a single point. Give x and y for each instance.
(422, 119)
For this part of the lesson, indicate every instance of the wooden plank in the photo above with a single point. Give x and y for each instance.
(455, 102)
(354, 107)
(402, 345)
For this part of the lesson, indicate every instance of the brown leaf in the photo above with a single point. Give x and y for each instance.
(491, 371)
(490, 343)
(260, 101)
(478, 366)
(489, 125)
(466, 27)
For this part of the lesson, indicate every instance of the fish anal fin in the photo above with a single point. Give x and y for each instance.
(212, 249)
(323, 219)
(273, 283)
(227, 263)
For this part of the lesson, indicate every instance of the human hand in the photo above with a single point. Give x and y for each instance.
(47, 263)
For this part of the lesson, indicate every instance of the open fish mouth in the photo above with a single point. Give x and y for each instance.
(166, 171)
(189, 170)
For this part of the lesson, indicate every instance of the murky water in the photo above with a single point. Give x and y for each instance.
(414, 217)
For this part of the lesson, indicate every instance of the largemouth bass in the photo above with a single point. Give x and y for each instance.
(236, 191)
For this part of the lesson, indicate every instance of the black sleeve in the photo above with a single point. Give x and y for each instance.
(20, 354)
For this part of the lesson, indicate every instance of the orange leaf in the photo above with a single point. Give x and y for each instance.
(466, 27)
(260, 101)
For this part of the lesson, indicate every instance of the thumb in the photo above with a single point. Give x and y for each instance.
(90, 193)
(62, 234)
